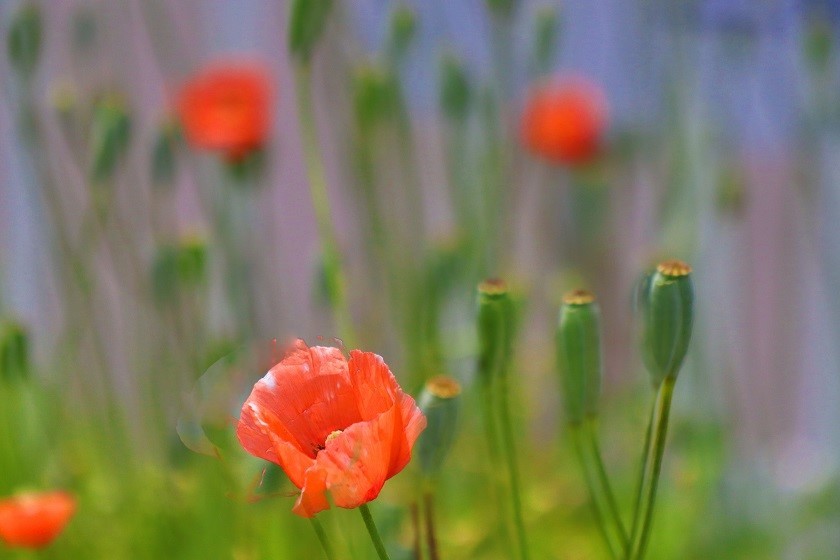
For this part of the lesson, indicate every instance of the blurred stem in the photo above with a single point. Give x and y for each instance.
(509, 449)
(374, 534)
(651, 468)
(591, 486)
(600, 493)
(604, 488)
(333, 267)
(429, 513)
(416, 526)
(322, 537)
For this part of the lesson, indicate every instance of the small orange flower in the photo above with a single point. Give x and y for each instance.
(34, 520)
(227, 107)
(333, 425)
(564, 120)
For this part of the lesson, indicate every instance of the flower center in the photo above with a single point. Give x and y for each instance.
(332, 436)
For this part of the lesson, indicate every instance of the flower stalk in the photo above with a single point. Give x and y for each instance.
(373, 532)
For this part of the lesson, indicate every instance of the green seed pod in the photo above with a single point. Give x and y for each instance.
(110, 133)
(403, 30)
(578, 346)
(14, 351)
(439, 401)
(455, 91)
(306, 25)
(24, 39)
(495, 328)
(376, 97)
(666, 301)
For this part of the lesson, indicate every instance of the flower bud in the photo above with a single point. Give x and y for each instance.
(439, 401)
(14, 351)
(454, 88)
(24, 39)
(578, 347)
(306, 25)
(495, 328)
(666, 301)
(110, 134)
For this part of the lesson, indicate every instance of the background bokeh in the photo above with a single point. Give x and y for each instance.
(722, 149)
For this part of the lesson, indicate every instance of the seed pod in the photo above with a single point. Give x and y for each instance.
(14, 351)
(24, 39)
(495, 328)
(110, 132)
(439, 401)
(306, 25)
(666, 301)
(578, 346)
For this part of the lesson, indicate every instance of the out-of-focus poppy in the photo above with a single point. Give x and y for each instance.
(334, 425)
(227, 107)
(564, 120)
(34, 520)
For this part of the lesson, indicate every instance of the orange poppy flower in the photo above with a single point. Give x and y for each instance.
(564, 120)
(34, 520)
(333, 425)
(227, 107)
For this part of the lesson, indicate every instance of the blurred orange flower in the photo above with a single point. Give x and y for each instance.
(34, 520)
(564, 120)
(227, 107)
(333, 425)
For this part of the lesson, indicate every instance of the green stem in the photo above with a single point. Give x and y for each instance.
(651, 468)
(604, 488)
(589, 479)
(322, 537)
(321, 203)
(374, 534)
(509, 450)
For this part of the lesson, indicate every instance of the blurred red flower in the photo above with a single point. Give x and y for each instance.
(227, 107)
(34, 520)
(333, 425)
(564, 120)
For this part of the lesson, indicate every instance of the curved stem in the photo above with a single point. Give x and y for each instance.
(374, 534)
(652, 467)
(322, 537)
(333, 268)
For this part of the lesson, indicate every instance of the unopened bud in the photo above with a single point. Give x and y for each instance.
(455, 91)
(403, 30)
